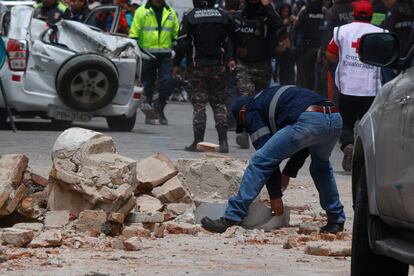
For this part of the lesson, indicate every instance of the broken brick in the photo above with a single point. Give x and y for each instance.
(154, 171)
(172, 191)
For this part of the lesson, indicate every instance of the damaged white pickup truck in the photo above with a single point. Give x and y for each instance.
(70, 71)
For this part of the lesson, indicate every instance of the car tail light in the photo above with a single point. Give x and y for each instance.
(137, 96)
(17, 52)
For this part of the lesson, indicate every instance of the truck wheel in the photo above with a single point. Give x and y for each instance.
(121, 123)
(364, 261)
(3, 118)
(87, 82)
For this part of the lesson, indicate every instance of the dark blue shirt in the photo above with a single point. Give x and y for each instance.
(290, 105)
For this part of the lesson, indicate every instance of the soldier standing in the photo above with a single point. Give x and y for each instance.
(255, 31)
(205, 39)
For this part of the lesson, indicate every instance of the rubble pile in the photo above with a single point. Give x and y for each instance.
(92, 192)
(96, 198)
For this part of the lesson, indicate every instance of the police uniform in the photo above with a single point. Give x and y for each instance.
(205, 40)
(399, 20)
(309, 27)
(255, 31)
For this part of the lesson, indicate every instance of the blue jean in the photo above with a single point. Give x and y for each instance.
(317, 131)
(161, 66)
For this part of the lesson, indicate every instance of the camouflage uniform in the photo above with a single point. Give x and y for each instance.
(208, 85)
(253, 77)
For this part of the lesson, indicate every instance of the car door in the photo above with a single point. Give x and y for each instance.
(105, 17)
(406, 172)
(389, 149)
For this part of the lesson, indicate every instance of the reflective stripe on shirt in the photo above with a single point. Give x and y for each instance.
(273, 106)
(259, 133)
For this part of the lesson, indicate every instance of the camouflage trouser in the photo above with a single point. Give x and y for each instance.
(208, 85)
(253, 77)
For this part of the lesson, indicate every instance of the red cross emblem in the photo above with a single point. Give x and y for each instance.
(355, 45)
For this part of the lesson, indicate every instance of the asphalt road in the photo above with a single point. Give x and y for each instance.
(35, 138)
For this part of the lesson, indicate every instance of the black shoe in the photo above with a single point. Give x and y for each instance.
(192, 147)
(242, 139)
(224, 147)
(332, 228)
(219, 225)
(163, 121)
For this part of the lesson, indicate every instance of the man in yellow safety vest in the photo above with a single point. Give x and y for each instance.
(155, 26)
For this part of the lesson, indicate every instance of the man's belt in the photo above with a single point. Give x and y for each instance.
(322, 109)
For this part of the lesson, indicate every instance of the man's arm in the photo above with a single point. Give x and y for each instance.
(135, 26)
(332, 53)
(295, 163)
(182, 45)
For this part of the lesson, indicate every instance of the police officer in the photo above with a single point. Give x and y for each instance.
(155, 26)
(282, 121)
(205, 39)
(51, 11)
(255, 31)
(399, 20)
(309, 27)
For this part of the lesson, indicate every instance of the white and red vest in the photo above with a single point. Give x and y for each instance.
(353, 77)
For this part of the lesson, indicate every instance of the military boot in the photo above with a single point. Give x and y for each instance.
(224, 146)
(198, 137)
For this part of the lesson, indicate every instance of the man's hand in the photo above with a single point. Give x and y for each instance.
(175, 71)
(285, 181)
(277, 206)
(266, 2)
(232, 65)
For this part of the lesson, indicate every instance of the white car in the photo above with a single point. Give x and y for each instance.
(71, 71)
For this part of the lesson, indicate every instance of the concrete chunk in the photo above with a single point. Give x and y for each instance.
(16, 237)
(207, 147)
(33, 226)
(177, 208)
(88, 174)
(50, 238)
(136, 231)
(172, 192)
(133, 244)
(12, 167)
(90, 221)
(182, 228)
(137, 217)
(148, 204)
(56, 219)
(154, 171)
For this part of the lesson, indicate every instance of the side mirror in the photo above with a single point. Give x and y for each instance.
(380, 49)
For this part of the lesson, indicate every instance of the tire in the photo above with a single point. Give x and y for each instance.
(364, 261)
(121, 123)
(3, 118)
(87, 82)
(60, 125)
